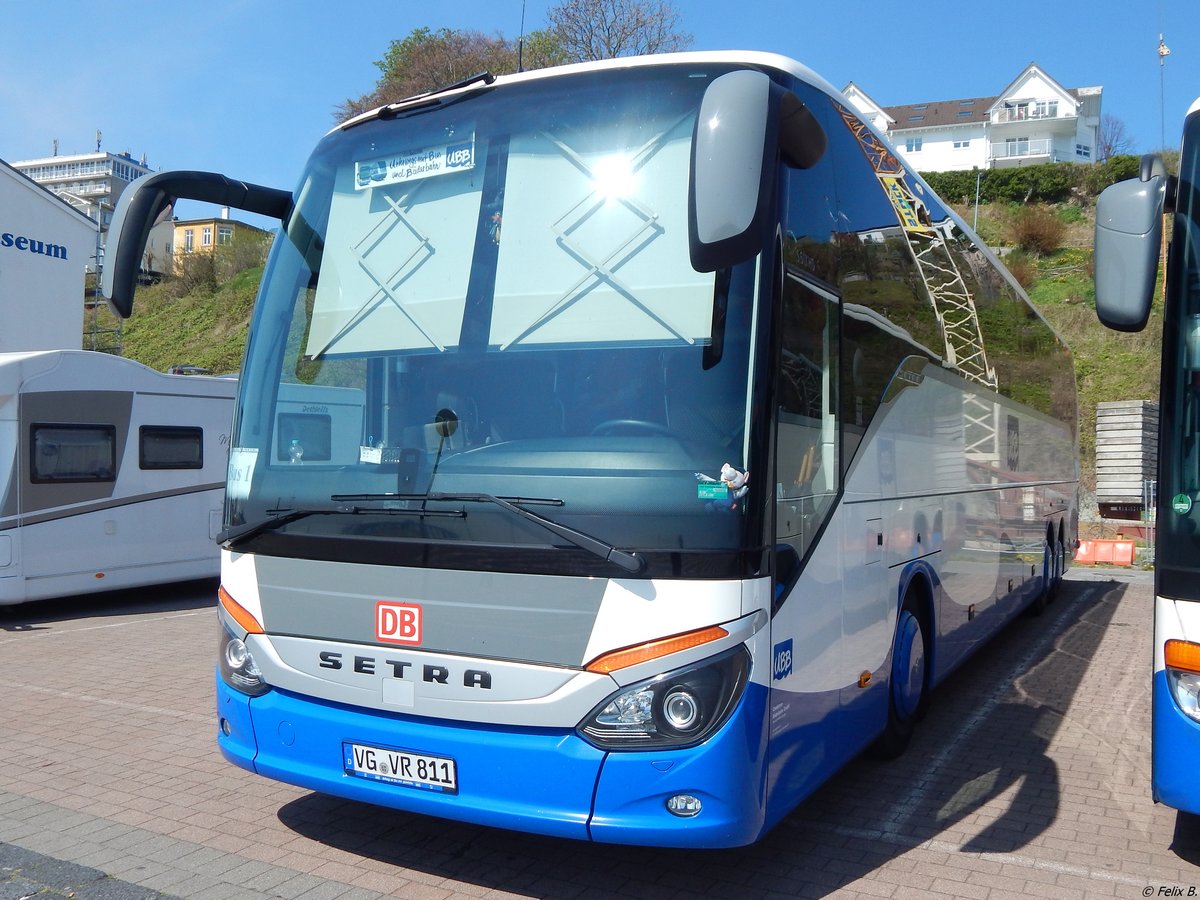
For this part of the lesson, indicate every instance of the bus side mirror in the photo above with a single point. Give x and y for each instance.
(149, 200)
(745, 123)
(1127, 245)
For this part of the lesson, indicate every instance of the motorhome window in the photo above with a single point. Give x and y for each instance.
(306, 437)
(170, 447)
(72, 453)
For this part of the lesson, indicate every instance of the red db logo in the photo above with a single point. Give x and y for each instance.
(397, 623)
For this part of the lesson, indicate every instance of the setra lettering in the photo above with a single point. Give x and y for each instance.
(404, 669)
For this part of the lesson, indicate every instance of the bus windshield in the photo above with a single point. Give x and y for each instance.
(492, 295)
(1178, 543)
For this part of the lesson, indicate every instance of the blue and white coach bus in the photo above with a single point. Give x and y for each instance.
(1129, 228)
(620, 450)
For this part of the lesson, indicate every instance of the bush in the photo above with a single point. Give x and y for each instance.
(1043, 183)
(955, 187)
(1047, 183)
(1114, 169)
(206, 271)
(1036, 229)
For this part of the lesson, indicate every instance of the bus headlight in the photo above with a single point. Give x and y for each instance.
(237, 666)
(674, 710)
(1185, 688)
(1182, 660)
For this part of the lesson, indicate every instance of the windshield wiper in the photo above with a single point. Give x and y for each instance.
(419, 102)
(235, 534)
(593, 545)
(276, 517)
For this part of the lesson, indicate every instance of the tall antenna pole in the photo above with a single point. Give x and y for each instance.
(521, 41)
(1163, 52)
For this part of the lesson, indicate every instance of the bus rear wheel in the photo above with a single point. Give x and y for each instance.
(1050, 577)
(909, 682)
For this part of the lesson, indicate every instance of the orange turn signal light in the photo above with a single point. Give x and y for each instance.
(631, 656)
(1182, 655)
(239, 613)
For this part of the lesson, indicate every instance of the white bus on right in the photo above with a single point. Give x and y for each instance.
(1130, 218)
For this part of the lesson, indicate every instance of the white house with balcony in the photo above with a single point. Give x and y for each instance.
(1033, 120)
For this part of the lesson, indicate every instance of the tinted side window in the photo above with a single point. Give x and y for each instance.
(1032, 365)
(807, 437)
(842, 225)
(881, 216)
(72, 453)
(170, 447)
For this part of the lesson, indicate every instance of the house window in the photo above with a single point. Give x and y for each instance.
(916, 118)
(1083, 151)
(1046, 109)
(913, 145)
(170, 447)
(206, 238)
(189, 240)
(1016, 146)
(966, 102)
(72, 453)
(962, 145)
(224, 234)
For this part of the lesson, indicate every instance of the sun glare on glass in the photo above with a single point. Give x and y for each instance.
(614, 177)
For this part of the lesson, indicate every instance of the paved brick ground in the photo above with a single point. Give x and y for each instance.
(1029, 778)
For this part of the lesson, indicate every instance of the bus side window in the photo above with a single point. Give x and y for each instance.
(807, 441)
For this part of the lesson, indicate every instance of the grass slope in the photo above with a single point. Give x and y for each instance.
(204, 328)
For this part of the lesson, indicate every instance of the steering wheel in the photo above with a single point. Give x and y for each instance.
(619, 426)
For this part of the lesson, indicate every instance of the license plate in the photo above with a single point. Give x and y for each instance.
(402, 767)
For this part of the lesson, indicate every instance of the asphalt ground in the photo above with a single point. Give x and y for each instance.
(1028, 778)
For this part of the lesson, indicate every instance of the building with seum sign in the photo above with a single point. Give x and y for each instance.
(45, 248)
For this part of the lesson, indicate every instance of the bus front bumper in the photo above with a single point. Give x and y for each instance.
(1176, 747)
(542, 781)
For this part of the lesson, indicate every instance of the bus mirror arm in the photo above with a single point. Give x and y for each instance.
(150, 199)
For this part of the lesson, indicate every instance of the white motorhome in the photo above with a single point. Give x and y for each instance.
(112, 475)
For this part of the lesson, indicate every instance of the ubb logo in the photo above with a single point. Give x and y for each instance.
(782, 663)
(459, 156)
(397, 623)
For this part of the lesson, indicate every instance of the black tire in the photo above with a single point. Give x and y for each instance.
(1046, 591)
(908, 687)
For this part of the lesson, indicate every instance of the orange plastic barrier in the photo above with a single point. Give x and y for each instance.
(1115, 553)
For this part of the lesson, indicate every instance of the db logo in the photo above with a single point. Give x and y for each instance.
(397, 623)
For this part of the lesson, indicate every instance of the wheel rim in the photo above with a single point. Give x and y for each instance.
(908, 668)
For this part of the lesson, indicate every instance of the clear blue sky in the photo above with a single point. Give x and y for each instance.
(246, 87)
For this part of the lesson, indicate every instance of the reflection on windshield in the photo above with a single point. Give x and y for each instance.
(515, 264)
